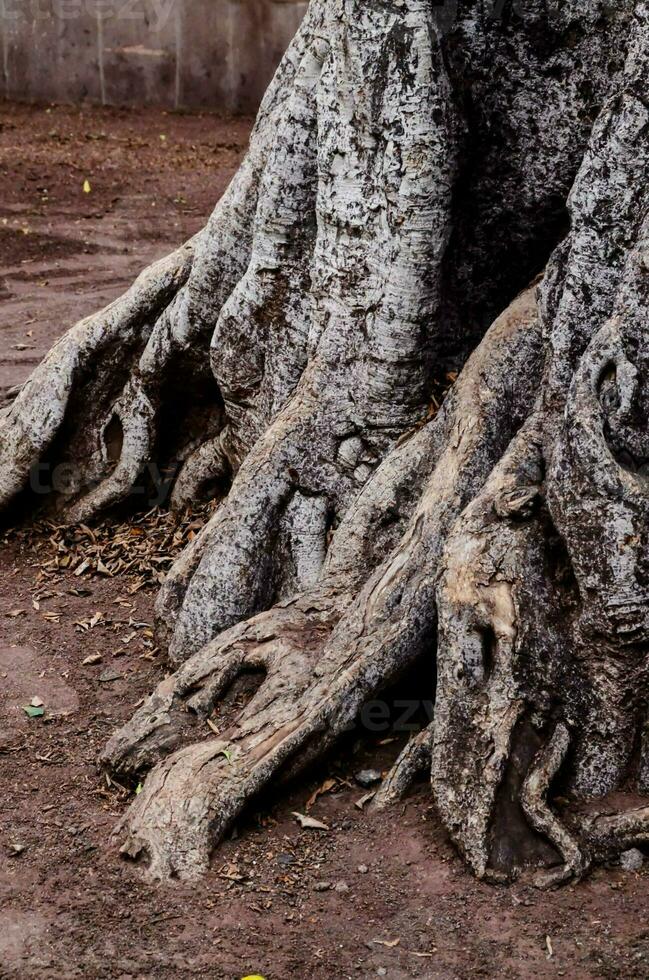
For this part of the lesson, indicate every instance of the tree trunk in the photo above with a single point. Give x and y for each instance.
(415, 170)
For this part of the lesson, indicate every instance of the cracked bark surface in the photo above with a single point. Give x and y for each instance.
(411, 176)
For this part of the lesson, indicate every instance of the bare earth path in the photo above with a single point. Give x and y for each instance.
(279, 900)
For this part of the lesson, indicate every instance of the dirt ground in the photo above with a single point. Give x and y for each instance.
(372, 895)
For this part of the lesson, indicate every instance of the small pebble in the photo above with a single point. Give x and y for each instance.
(362, 869)
(285, 859)
(322, 886)
(341, 886)
(367, 777)
(632, 860)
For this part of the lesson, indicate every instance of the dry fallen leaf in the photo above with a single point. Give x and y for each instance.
(390, 943)
(364, 800)
(326, 787)
(94, 658)
(309, 823)
(231, 872)
(143, 548)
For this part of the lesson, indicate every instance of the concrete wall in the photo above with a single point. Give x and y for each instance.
(219, 54)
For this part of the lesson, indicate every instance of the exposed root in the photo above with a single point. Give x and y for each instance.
(28, 430)
(543, 606)
(207, 469)
(327, 652)
(543, 770)
(414, 760)
(297, 340)
(193, 795)
(491, 559)
(609, 834)
(95, 404)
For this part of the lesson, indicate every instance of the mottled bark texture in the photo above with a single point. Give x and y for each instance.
(415, 170)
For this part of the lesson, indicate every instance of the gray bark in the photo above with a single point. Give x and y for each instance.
(407, 180)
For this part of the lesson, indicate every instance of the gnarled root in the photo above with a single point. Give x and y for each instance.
(194, 794)
(312, 316)
(414, 760)
(545, 767)
(484, 739)
(96, 414)
(340, 643)
(542, 655)
(116, 335)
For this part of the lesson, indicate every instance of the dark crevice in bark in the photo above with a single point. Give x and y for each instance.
(513, 844)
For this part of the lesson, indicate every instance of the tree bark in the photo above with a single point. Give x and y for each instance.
(414, 172)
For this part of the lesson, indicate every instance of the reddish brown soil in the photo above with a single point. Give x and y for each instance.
(69, 907)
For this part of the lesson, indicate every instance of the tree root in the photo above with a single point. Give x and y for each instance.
(298, 339)
(327, 652)
(489, 559)
(93, 409)
(192, 797)
(542, 603)
(536, 786)
(115, 334)
(414, 760)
